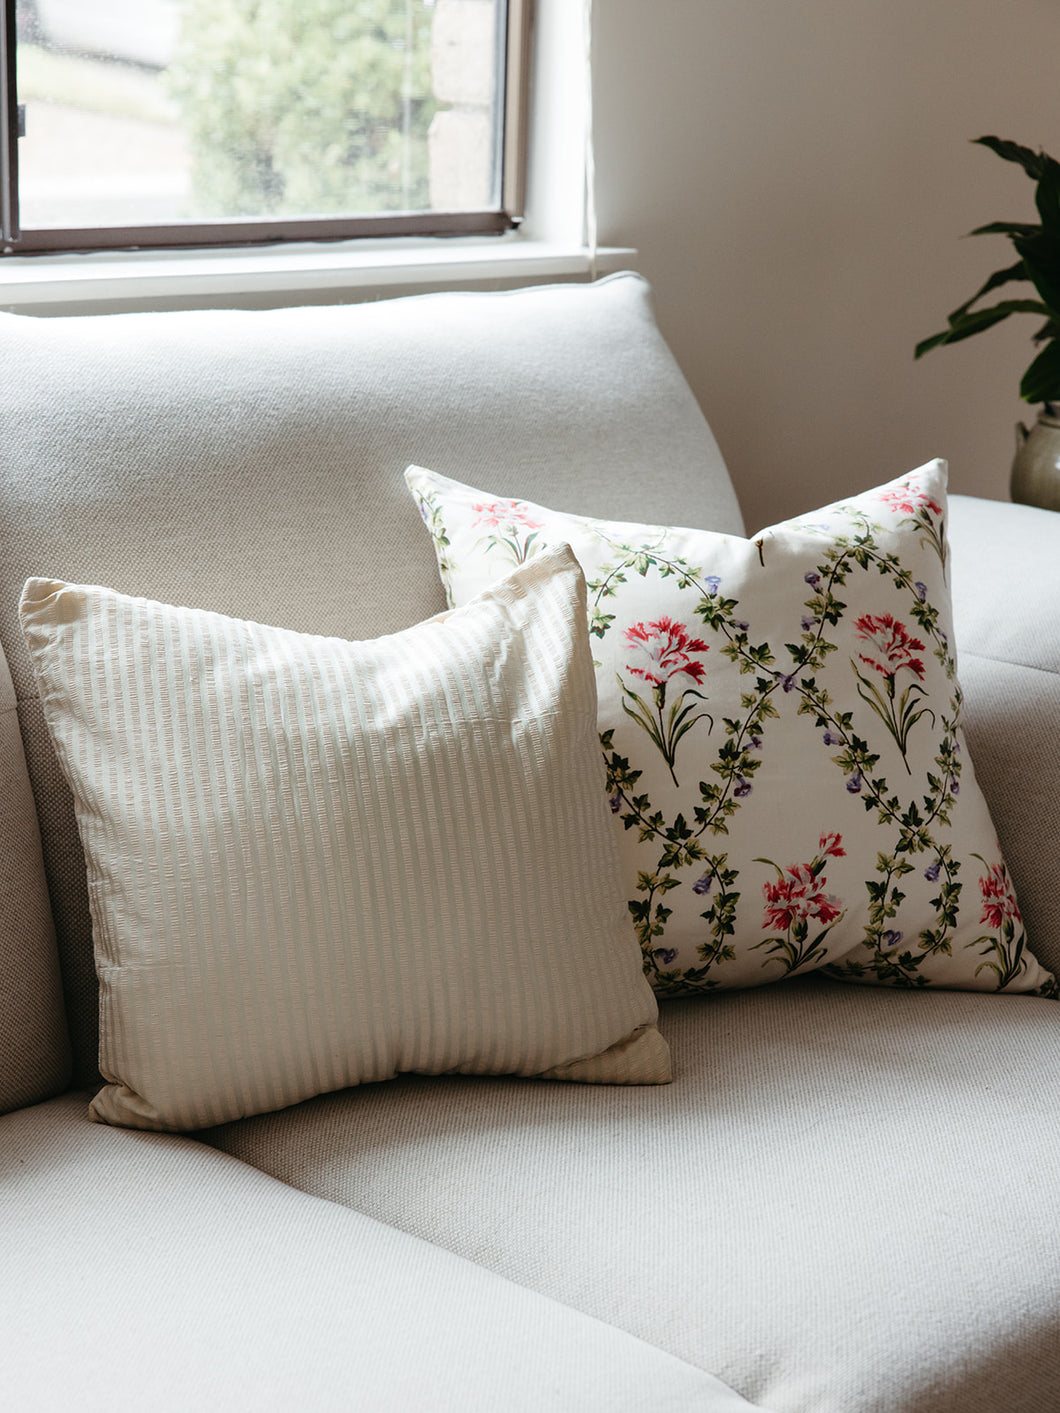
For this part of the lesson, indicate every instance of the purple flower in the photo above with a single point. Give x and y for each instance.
(703, 885)
(713, 583)
(955, 787)
(666, 955)
(755, 742)
(616, 803)
(743, 787)
(891, 939)
(854, 783)
(787, 682)
(812, 579)
(921, 590)
(741, 624)
(932, 873)
(808, 622)
(831, 739)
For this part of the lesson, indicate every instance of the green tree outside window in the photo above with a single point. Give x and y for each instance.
(315, 107)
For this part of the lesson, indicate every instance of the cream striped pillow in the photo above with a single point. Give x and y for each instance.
(314, 863)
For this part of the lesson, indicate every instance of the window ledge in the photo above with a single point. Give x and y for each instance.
(38, 283)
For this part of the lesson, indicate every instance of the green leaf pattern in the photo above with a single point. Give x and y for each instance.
(708, 722)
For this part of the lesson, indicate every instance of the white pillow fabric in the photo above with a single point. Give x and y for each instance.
(314, 863)
(781, 723)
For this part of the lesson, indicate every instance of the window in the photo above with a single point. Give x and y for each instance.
(132, 123)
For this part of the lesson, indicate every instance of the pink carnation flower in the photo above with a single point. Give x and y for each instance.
(798, 895)
(667, 646)
(892, 644)
(496, 513)
(909, 499)
(999, 901)
(830, 846)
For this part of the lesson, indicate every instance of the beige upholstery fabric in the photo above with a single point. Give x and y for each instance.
(845, 1201)
(145, 1272)
(299, 882)
(251, 463)
(34, 1047)
(1006, 601)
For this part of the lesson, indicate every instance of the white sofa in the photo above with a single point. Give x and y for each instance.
(846, 1201)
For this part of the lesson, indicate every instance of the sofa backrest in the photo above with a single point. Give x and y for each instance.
(251, 463)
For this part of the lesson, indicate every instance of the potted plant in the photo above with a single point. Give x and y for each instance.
(1036, 468)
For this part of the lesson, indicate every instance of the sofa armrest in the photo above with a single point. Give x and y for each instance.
(34, 1045)
(1005, 575)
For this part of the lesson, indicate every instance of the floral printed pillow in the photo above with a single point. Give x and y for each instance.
(781, 722)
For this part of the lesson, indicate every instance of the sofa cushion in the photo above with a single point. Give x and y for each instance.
(249, 462)
(781, 720)
(846, 1199)
(315, 863)
(1006, 592)
(34, 1046)
(149, 1272)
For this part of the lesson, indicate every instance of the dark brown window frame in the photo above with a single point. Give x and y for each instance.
(248, 231)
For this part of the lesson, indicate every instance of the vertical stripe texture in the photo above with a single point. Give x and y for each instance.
(315, 863)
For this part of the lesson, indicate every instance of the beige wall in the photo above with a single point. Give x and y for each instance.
(797, 175)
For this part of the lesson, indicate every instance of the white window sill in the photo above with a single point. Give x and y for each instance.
(278, 274)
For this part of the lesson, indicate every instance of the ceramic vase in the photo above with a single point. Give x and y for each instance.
(1036, 465)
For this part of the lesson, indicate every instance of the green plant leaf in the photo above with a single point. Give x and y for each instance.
(1038, 247)
(1031, 162)
(1041, 382)
(1041, 260)
(926, 345)
(1000, 277)
(980, 319)
(1047, 195)
(1009, 228)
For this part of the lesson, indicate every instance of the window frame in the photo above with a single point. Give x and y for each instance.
(514, 42)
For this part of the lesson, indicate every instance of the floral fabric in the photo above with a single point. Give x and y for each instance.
(781, 722)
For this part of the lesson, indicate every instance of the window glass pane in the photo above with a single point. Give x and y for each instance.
(148, 112)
